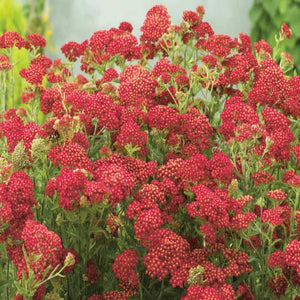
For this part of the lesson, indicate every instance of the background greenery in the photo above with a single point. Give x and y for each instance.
(267, 16)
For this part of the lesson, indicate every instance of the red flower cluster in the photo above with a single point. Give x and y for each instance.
(124, 269)
(188, 169)
(156, 24)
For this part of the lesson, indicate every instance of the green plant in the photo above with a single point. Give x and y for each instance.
(31, 17)
(12, 19)
(266, 17)
(36, 13)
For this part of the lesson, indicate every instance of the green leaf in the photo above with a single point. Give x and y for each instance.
(260, 202)
(283, 6)
(255, 13)
(271, 7)
(4, 226)
(4, 283)
(292, 17)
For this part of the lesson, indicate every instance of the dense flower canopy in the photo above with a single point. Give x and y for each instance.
(167, 169)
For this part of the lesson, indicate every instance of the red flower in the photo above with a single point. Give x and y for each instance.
(136, 82)
(209, 232)
(273, 216)
(296, 150)
(278, 285)
(8, 39)
(157, 23)
(131, 133)
(12, 128)
(244, 292)
(236, 114)
(196, 129)
(104, 109)
(39, 241)
(221, 167)
(95, 297)
(218, 292)
(291, 178)
(167, 251)
(73, 50)
(263, 49)
(117, 295)
(69, 185)
(219, 45)
(4, 63)
(292, 255)
(147, 222)
(192, 18)
(278, 194)
(42, 60)
(124, 44)
(203, 30)
(35, 40)
(126, 26)
(262, 177)
(123, 268)
(277, 258)
(117, 181)
(241, 221)
(33, 74)
(109, 75)
(92, 272)
(271, 86)
(285, 32)
(71, 156)
(162, 117)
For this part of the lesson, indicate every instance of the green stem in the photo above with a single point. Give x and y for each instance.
(51, 276)
(3, 91)
(293, 212)
(7, 278)
(161, 293)
(79, 250)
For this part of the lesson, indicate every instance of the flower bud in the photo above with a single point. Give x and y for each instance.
(84, 202)
(6, 170)
(285, 32)
(269, 143)
(59, 219)
(4, 63)
(20, 158)
(286, 62)
(38, 148)
(233, 186)
(196, 276)
(69, 260)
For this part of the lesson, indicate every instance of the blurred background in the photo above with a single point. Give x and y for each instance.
(60, 21)
(77, 20)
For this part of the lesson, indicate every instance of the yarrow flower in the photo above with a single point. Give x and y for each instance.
(175, 160)
(4, 63)
(42, 243)
(124, 269)
(9, 39)
(136, 82)
(156, 24)
(35, 40)
(92, 273)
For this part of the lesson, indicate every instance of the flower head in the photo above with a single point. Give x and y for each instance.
(156, 24)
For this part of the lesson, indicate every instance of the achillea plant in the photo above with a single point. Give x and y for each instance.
(169, 169)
